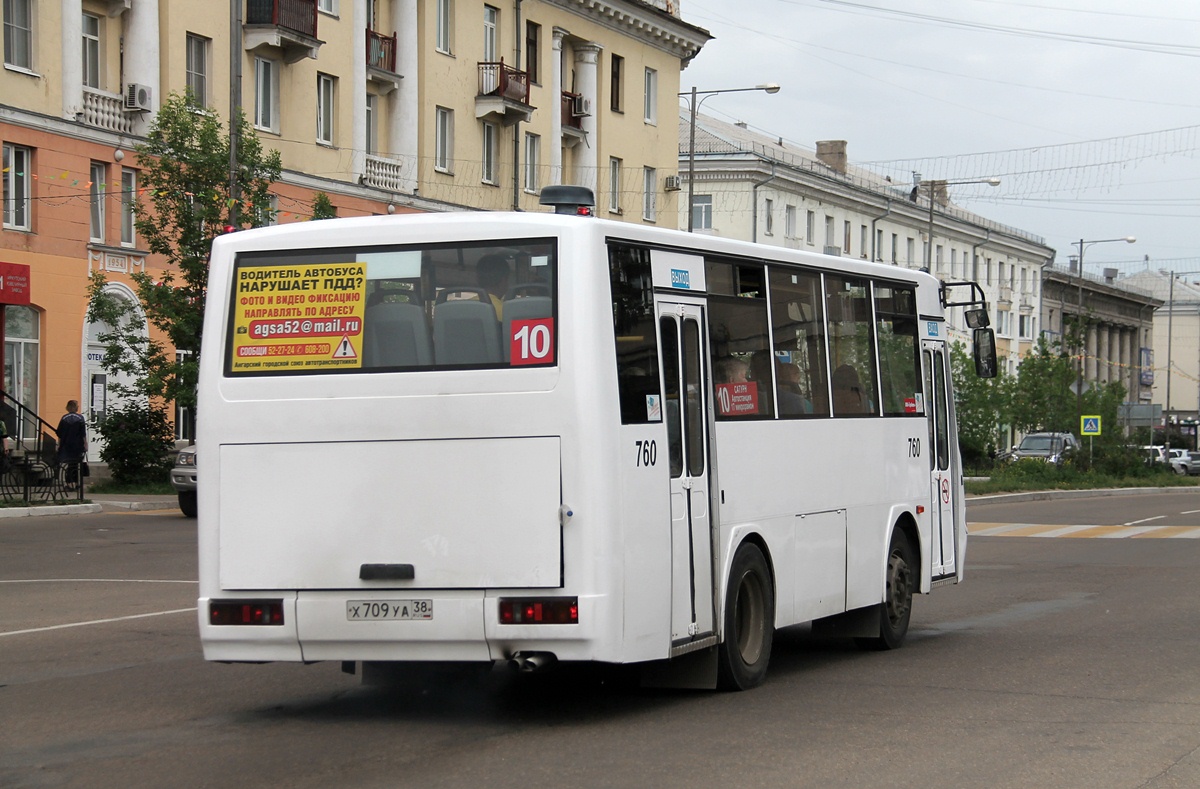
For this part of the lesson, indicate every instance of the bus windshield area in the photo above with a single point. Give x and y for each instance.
(394, 308)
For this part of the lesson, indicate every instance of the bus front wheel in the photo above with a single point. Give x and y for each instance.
(896, 608)
(749, 621)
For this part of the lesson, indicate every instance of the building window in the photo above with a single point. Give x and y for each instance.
(789, 221)
(1026, 324)
(128, 200)
(443, 151)
(21, 332)
(769, 216)
(444, 37)
(614, 185)
(533, 49)
(18, 33)
(650, 104)
(702, 207)
(895, 247)
(197, 69)
(325, 108)
(862, 241)
(810, 226)
(266, 98)
(491, 21)
(533, 156)
(91, 51)
(327, 7)
(96, 190)
(372, 132)
(910, 251)
(17, 163)
(846, 236)
(490, 147)
(830, 233)
(617, 75)
(649, 193)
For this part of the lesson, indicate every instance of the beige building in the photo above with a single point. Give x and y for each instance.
(385, 105)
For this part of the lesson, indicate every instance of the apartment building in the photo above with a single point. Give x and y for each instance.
(384, 105)
(756, 187)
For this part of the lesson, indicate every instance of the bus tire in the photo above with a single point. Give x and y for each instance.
(187, 503)
(749, 617)
(896, 608)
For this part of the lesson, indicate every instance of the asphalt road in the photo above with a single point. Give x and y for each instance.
(1060, 663)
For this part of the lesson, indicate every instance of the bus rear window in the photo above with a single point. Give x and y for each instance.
(394, 308)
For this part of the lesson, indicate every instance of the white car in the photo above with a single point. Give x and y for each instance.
(183, 479)
(1181, 461)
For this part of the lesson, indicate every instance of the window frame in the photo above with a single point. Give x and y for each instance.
(702, 212)
(443, 140)
(17, 34)
(649, 194)
(533, 155)
(326, 108)
(768, 216)
(128, 200)
(615, 166)
(444, 27)
(266, 70)
(650, 99)
(489, 171)
(371, 122)
(616, 92)
(491, 33)
(533, 47)
(17, 209)
(98, 175)
(93, 62)
(196, 57)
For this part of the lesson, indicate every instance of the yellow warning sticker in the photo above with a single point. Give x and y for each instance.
(298, 317)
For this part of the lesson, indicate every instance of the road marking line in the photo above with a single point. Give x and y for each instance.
(1189, 512)
(97, 622)
(1163, 532)
(1146, 520)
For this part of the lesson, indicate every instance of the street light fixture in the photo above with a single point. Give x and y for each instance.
(694, 107)
(1080, 337)
(932, 186)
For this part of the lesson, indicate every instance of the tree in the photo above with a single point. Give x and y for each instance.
(323, 207)
(1042, 398)
(980, 405)
(183, 202)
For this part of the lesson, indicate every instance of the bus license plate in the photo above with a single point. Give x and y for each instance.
(375, 610)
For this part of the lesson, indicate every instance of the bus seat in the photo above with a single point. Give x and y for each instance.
(465, 331)
(523, 309)
(396, 335)
(526, 289)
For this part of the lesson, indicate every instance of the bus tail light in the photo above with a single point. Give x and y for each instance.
(539, 611)
(245, 612)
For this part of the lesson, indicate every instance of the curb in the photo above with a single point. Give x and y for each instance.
(50, 509)
(137, 506)
(1044, 495)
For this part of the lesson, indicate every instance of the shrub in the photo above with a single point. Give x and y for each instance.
(137, 443)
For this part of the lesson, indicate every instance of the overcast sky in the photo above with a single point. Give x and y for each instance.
(1088, 110)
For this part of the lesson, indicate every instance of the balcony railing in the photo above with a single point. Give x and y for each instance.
(106, 111)
(497, 79)
(297, 15)
(381, 51)
(384, 173)
(569, 119)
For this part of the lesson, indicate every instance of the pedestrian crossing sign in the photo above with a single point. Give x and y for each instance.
(1089, 426)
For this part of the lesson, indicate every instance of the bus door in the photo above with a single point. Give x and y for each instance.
(681, 329)
(942, 543)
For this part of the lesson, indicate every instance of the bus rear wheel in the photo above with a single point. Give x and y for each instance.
(896, 608)
(749, 621)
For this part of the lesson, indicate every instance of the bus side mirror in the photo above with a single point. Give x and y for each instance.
(977, 319)
(984, 341)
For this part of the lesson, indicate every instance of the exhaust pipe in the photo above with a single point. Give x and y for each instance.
(531, 661)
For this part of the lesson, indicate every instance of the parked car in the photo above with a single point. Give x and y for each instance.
(1155, 454)
(183, 479)
(1050, 447)
(1181, 461)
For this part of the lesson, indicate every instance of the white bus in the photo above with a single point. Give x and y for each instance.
(480, 437)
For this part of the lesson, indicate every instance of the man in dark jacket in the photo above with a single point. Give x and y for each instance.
(72, 441)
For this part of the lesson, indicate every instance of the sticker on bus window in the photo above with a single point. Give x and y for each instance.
(737, 399)
(653, 408)
(532, 341)
(297, 317)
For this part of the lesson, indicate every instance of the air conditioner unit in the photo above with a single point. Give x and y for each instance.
(671, 183)
(581, 107)
(137, 97)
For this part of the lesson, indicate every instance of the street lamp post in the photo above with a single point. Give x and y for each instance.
(1080, 336)
(932, 186)
(694, 106)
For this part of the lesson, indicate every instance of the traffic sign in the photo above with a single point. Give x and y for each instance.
(1089, 425)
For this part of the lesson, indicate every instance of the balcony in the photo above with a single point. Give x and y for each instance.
(572, 124)
(504, 93)
(288, 27)
(106, 111)
(381, 61)
(384, 173)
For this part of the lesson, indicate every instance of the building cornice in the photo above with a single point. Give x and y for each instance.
(641, 21)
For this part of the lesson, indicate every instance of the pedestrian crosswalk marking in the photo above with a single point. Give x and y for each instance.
(1084, 530)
